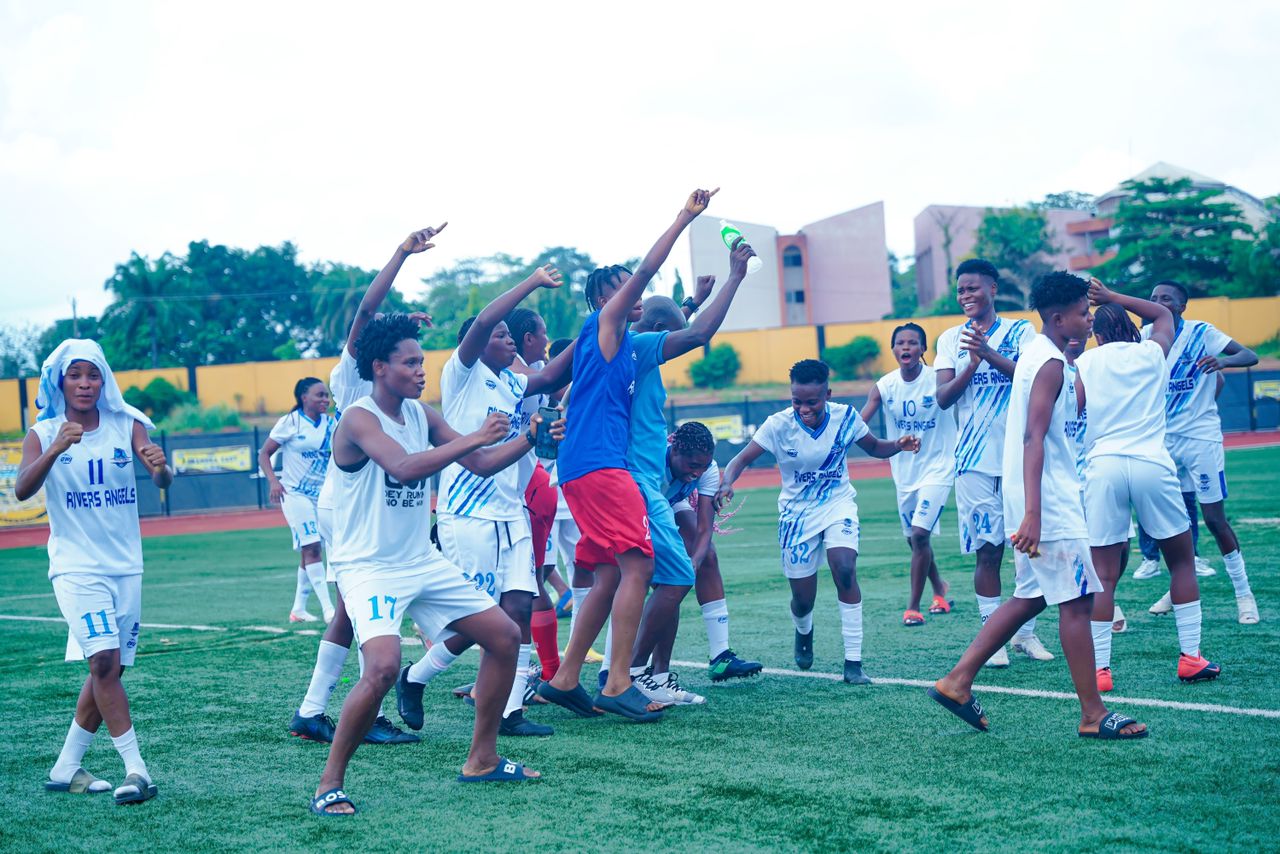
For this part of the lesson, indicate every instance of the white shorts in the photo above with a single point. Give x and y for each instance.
(1063, 571)
(980, 509)
(433, 595)
(922, 507)
(1202, 467)
(497, 557)
(102, 612)
(324, 523)
(564, 540)
(1114, 484)
(803, 555)
(300, 513)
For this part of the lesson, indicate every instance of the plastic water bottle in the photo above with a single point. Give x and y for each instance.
(729, 233)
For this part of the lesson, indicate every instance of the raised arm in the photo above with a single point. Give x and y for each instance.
(488, 461)
(152, 456)
(417, 242)
(1162, 323)
(613, 317)
(473, 343)
(748, 455)
(699, 333)
(360, 435)
(701, 293)
(1044, 391)
(556, 374)
(35, 464)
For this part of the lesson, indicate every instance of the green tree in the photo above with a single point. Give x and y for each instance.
(902, 287)
(1170, 230)
(18, 349)
(718, 369)
(148, 312)
(1067, 200)
(852, 360)
(1017, 241)
(1255, 265)
(336, 292)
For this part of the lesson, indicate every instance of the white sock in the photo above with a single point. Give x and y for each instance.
(127, 747)
(302, 591)
(608, 647)
(1101, 643)
(1026, 630)
(315, 576)
(1187, 617)
(73, 750)
(804, 625)
(1235, 571)
(987, 606)
(577, 594)
(324, 678)
(437, 660)
(851, 629)
(515, 700)
(715, 616)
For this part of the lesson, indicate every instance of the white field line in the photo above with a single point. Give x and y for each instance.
(161, 585)
(773, 671)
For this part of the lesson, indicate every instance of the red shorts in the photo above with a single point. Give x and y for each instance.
(540, 500)
(611, 515)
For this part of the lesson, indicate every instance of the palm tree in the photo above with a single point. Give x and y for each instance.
(148, 300)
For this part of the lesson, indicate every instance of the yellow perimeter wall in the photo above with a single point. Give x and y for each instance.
(766, 355)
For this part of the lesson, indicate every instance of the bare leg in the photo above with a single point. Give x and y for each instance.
(844, 572)
(108, 692)
(636, 571)
(986, 571)
(921, 562)
(499, 637)
(1077, 645)
(339, 630)
(1215, 519)
(804, 592)
(1106, 562)
(661, 612)
(587, 625)
(553, 578)
(1179, 556)
(997, 631)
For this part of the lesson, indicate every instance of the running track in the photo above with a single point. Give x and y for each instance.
(240, 520)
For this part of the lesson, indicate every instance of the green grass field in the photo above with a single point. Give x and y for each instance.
(782, 762)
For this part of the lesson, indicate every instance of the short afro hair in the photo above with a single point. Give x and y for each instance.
(810, 372)
(379, 338)
(1057, 290)
(693, 437)
(558, 345)
(1170, 283)
(979, 266)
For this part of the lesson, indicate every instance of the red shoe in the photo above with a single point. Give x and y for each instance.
(1196, 668)
(941, 605)
(1105, 682)
(912, 618)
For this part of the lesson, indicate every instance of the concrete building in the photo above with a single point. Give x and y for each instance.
(834, 270)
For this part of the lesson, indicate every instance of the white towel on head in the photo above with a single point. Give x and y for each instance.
(49, 398)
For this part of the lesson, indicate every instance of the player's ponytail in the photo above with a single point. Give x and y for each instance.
(299, 389)
(1113, 323)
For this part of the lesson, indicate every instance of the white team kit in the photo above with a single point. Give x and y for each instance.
(1193, 432)
(386, 567)
(564, 530)
(304, 453)
(923, 479)
(816, 508)
(981, 411)
(95, 545)
(1126, 460)
(481, 521)
(1064, 569)
(682, 495)
(346, 387)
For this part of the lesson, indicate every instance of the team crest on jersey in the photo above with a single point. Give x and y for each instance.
(65, 459)
(848, 527)
(119, 458)
(490, 384)
(927, 401)
(924, 505)
(792, 452)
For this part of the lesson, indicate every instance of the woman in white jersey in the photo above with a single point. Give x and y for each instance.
(817, 514)
(302, 437)
(910, 398)
(81, 450)
(1122, 382)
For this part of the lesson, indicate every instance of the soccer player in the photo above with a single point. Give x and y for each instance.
(605, 500)
(923, 480)
(817, 513)
(81, 450)
(974, 369)
(1129, 467)
(386, 448)
(1194, 431)
(1044, 519)
(310, 721)
(481, 521)
(302, 437)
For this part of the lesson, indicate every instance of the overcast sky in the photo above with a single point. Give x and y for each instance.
(131, 126)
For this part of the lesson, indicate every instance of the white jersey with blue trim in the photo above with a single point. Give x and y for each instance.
(91, 497)
(1124, 385)
(467, 396)
(911, 409)
(305, 446)
(984, 405)
(814, 466)
(525, 410)
(675, 491)
(1077, 420)
(346, 388)
(1190, 402)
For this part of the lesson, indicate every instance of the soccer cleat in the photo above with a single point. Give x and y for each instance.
(319, 728)
(409, 700)
(653, 691)
(680, 696)
(853, 674)
(1105, 681)
(1203, 568)
(727, 665)
(1032, 648)
(1163, 605)
(998, 660)
(384, 731)
(302, 617)
(804, 650)
(1247, 607)
(517, 724)
(1197, 668)
(564, 605)
(1148, 569)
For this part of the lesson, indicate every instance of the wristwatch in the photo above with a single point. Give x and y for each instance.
(690, 304)
(528, 434)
